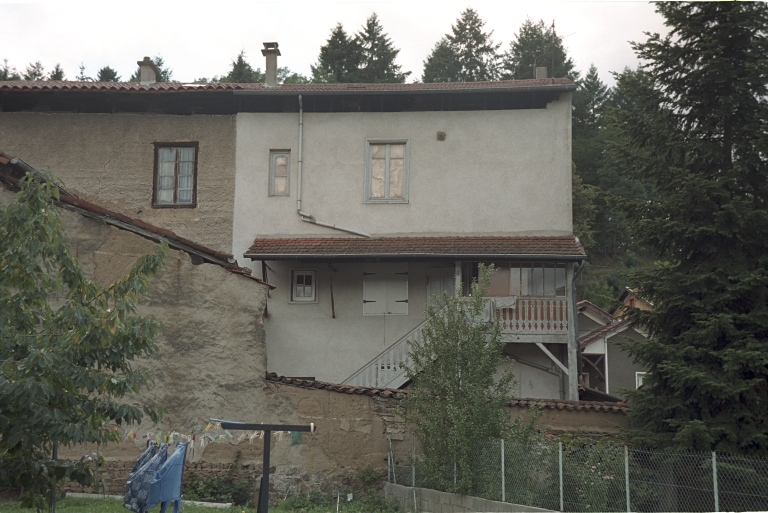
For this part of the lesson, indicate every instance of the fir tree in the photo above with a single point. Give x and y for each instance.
(700, 125)
(107, 74)
(378, 55)
(588, 104)
(532, 47)
(467, 54)
(339, 59)
(34, 71)
(242, 72)
(8, 72)
(57, 73)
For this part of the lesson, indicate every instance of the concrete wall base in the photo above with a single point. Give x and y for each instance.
(433, 501)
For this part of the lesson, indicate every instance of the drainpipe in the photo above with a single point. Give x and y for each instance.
(309, 218)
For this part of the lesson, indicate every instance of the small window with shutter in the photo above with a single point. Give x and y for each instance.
(175, 175)
(386, 172)
(279, 172)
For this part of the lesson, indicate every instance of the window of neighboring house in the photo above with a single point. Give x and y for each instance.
(639, 377)
(279, 172)
(385, 289)
(386, 173)
(175, 175)
(303, 286)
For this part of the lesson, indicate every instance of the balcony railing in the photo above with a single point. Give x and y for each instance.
(534, 316)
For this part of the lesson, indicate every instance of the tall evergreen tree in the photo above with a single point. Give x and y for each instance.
(242, 72)
(107, 74)
(467, 54)
(378, 55)
(532, 47)
(34, 71)
(701, 126)
(57, 73)
(8, 72)
(339, 58)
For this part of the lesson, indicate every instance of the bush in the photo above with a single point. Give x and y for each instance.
(217, 489)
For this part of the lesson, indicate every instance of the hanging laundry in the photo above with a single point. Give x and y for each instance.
(139, 482)
(166, 483)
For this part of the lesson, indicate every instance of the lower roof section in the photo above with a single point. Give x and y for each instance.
(418, 248)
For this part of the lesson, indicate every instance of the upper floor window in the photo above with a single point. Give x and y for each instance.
(175, 175)
(386, 172)
(519, 279)
(279, 172)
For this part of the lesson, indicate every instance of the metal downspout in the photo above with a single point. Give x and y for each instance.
(309, 218)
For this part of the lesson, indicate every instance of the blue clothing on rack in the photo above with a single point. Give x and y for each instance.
(166, 485)
(144, 458)
(139, 482)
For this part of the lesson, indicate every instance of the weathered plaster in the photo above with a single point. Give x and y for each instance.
(109, 159)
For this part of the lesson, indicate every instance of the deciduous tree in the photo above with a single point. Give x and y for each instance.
(67, 347)
(701, 127)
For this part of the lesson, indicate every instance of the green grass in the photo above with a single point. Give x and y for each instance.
(111, 506)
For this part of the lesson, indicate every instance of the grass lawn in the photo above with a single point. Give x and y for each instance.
(112, 506)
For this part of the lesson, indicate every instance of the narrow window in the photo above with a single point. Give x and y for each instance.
(639, 378)
(175, 175)
(279, 172)
(386, 179)
(303, 287)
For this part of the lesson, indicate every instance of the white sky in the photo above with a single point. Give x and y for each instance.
(200, 39)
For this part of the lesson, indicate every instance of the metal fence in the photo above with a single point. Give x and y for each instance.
(561, 477)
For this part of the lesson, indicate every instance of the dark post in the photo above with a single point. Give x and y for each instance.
(264, 489)
(52, 500)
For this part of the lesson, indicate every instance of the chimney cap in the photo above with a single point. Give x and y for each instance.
(270, 48)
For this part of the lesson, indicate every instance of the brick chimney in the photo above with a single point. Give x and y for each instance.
(149, 71)
(271, 52)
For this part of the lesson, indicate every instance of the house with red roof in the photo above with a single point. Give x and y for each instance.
(358, 201)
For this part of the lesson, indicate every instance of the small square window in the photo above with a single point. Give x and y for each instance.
(175, 175)
(279, 173)
(386, 171)
(303, 286)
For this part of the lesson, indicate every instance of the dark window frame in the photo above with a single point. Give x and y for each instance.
(156, 176)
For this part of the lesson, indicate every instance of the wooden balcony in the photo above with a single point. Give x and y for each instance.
(530, 319)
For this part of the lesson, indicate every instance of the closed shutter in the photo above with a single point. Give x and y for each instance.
(385, 289)
(397, 290)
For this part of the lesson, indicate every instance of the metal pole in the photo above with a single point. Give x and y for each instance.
(264, 489)
(714, 480)
(626, 475)
(503, 491)
(560, 447)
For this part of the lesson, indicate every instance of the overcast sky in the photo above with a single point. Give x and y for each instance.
(200, 39)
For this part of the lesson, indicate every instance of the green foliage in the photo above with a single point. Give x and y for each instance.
(369, 476)
(242, 72)
(467, 54)
(67, 346)
(8, 72)
(165, 72)
(57, 73)
(584, 209)
(698, 135)
(107, 74)
(82, 77)
(339, 58)
(220, 489)
(315, 501)
(34, 71)
(532, 47)
(378, 55)
(456, 398)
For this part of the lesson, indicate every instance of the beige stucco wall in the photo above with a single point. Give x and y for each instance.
(497, 172)
(109, 159)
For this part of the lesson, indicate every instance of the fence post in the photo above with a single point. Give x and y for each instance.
(626, 475)
(503, 491)
(413, 463)
(714, 480)
(560, 447)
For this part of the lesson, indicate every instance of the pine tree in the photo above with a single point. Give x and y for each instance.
(467, 54)
(242, 72)
(339, 59)
(8, 72)
(107, 74)
(34, 71)
(701, 126)
(378, 55)
(588, 104)
(57, 73)
(532, 47)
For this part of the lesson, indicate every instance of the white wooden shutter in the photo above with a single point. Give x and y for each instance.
(397, 289)
(374, 290)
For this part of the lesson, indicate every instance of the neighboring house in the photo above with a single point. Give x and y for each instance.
(606, 366)
(359, 201)
(629, 299)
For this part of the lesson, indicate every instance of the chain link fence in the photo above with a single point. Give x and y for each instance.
(561, 477)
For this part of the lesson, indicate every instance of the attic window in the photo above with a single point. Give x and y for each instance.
(175, 175)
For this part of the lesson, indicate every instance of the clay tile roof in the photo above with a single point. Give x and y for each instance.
(586, 305)
(141, 227)
(600, 406)
(603, 331)
(414, 247)
(160, 87)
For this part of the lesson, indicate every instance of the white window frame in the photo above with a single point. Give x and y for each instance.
(639, 378)
(303, 300)
(273, 154)
(368, 171)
